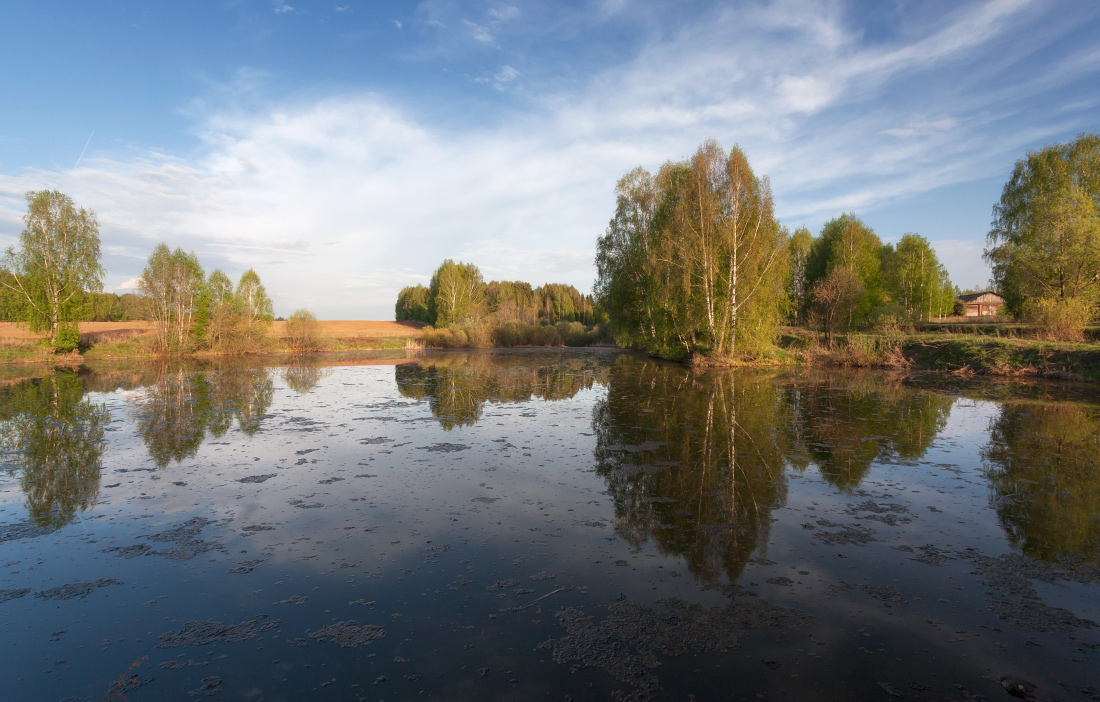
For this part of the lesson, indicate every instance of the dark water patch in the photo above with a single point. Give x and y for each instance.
(349, 634)
(13, 594)
(1015, 599)
(444, 448)
(131, 551)
(374, 440)
(210, 687)
(185, 537)
(632, 638)
(841, 534)
(887, 513)
(75, 590)
(257, 478)
(203, 632)
(24, 530)
(247, 566)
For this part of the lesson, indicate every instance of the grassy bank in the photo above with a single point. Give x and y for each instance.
(957, 353)
(112, 341)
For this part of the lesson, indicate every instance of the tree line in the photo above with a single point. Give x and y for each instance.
(693, 260)
(54, 280)
(470, 312)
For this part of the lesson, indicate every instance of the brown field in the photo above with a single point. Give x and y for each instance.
(357, 328)
(116, 331)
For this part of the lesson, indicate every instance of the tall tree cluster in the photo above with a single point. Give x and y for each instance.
(190, 310)
(458, 294)
(846, 277)
(1044, 243)
(693, 259)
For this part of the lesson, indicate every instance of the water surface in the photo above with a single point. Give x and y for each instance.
(545, 525)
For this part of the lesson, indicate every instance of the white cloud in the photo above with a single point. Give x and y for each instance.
(479, 33)
(280, 8)
(504, 14)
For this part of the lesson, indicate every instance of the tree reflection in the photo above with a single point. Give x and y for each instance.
(458, 385)
(694, 462)
(844, 424)
(1041, 462)
(55, 436)
(302, 378)
(178, 410)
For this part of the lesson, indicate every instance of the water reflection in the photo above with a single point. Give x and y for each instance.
(181, 406)
(844, 424)
(55, 439)
(693, 462)
(458, 385)
(1041, 463)
(302, 377)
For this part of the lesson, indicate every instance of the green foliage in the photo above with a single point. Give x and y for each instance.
(303, 333)
(1041, 467)
(693, 259)
(181, 407)
(57, 261)
(192, 312)
(412, 305)
(66, 339)
(798, 251)
(173, 282)
(54, 438)
(846, 242)
(1057, 319)
(456, 291)
(915, 279)
(1045, 235)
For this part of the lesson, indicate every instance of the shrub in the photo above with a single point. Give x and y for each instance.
(546, 336)
(303, 332)
(451, 336)
(1056, 319)
(67, 339)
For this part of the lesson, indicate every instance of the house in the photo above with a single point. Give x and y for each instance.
(980, 304)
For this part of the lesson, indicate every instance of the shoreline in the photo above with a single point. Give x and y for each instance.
(960, 355)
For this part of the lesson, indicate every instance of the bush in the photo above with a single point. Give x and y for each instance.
(67, 339)
(303, 332)
(451, 336)
(1063, 320)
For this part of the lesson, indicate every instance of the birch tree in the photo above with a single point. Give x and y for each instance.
(1045, 237)
(56, 263)
(173, 282)
(455, 291)
(693, 259)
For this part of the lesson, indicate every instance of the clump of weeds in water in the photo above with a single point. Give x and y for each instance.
(128, 680)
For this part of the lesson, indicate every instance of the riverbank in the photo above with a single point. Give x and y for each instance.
(135, 341)
(961, 354)
(958, 354)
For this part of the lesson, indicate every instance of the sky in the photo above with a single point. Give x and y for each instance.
(344, 149)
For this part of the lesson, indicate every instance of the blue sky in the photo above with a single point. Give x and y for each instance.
(343, 150)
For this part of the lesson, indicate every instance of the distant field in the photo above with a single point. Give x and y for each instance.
(333, 329)
(356, 328)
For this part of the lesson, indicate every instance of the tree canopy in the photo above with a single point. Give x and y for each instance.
(693, 258)
(1044, 242)
(56, 263)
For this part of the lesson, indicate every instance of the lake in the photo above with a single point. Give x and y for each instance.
(545, 525)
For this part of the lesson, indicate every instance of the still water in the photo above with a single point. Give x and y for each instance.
(545, 525)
